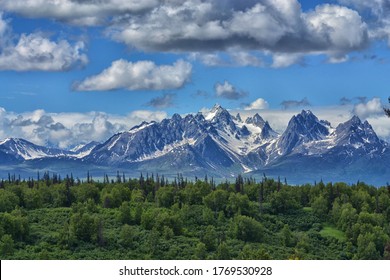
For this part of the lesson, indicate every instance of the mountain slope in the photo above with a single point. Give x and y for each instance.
(218, 143)
(20, 150)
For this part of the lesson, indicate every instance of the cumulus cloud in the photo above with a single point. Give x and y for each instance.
(377, 13)
(368, 109)
(65, 130)
(268, 26)
(141, 75)
(278, 28)
(228, 91)
(287, 104)
(258, 104)
(80, 12)
(36, 52)
(339, 28)
(161, 102)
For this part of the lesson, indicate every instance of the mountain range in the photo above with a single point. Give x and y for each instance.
(219, 144)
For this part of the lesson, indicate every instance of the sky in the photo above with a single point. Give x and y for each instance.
(74, 71)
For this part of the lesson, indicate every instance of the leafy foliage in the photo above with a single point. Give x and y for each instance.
(153, 218)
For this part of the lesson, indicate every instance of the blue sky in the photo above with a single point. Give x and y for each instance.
(100, 68)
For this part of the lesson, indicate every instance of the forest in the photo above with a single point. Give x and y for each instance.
(152, 217)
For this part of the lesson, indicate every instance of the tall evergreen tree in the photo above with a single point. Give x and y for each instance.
(387, 110)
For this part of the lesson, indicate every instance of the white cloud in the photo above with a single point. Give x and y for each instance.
(141, 75)
(375, 5)
(273, 27)
(81, 12)
(281, 60)
(378, 14)
(258, 104)
(278, 28)
(228, 59)
(35, 52)
(339, 28)
(265, 22)
(144, 115)
(209, 59)
(245, 59)
(3, 25)
(65, 130)
(228, 91)
(368, 109)
(381, 125)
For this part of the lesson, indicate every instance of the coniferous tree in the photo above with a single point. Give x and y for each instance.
(387, 110)
(261, 196)
(118, 177)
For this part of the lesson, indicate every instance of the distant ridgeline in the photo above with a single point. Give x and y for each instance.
(156, 218)
(219, 145)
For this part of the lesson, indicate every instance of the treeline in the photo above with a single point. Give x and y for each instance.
(155, 218)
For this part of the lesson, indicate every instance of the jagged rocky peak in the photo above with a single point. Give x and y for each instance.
(267, 131)
(302, 128)
(217, 112)
(214, 112)
(350, 124)
(355, 131)
(244, 131)
(306, 123)
(140, 126)
(256, 120)
(238, 117)
(84, 147)
(15, 142)
(24, 149)
(199, 117)
(176, 117)
(221, 118)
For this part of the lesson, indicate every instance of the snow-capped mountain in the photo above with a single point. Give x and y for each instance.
(302, 128)
(82, 150)
(20, 149)
(213, 140)
(218, 143)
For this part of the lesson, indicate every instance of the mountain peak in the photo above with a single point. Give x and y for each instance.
(304, 119)
(216, 111)
(302, 128)
(355, 132)
(176, 117)
(307, 113)
(256, 120)
(355, 120)
(216, 107)
(238, 117)
(5, 141)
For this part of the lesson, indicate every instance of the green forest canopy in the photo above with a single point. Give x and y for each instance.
(153, 218)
